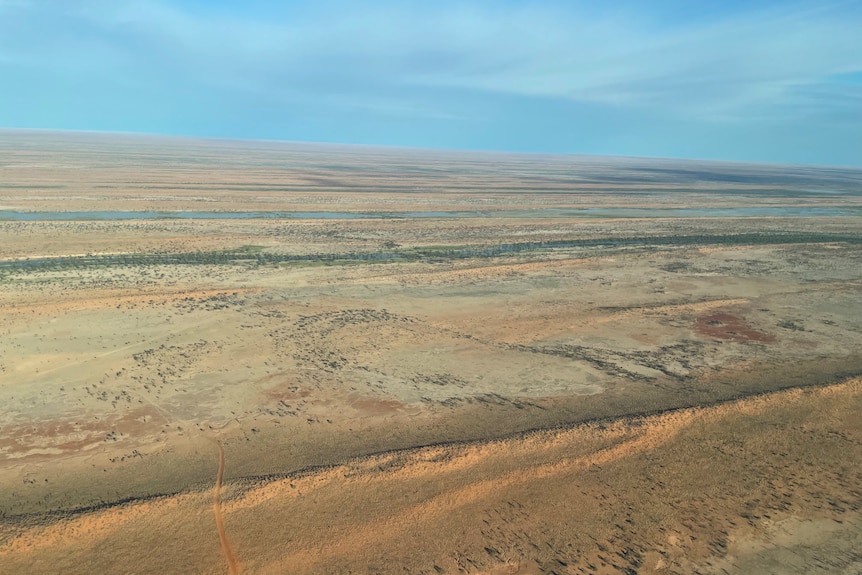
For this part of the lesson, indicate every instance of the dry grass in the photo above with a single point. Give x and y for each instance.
(116, 373)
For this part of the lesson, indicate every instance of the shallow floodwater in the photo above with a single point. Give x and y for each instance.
(732, 212)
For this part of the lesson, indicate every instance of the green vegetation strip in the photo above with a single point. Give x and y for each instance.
(253, 254)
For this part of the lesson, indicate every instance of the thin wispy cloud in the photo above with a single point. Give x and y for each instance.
(466, 63)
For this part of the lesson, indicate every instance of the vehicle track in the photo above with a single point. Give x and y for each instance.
(226, 547)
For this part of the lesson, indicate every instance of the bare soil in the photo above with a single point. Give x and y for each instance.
(489, 394)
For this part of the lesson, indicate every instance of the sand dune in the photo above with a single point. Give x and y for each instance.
(379, 361)
(684, 491)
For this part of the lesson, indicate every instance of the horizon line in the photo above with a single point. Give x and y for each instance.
(478, 151)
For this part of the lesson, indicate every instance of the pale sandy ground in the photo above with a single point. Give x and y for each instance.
(119, 381)
(763, 485)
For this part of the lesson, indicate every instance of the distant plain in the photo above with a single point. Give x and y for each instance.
(425, 362)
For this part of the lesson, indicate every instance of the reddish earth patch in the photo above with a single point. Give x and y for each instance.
(291, 393)
(728, 326)
(43, 440)
(375, 406)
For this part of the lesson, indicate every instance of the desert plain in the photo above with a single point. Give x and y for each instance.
(261, 357)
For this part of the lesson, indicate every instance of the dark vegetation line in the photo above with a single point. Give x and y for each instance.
(601, 188)
(253, 255)
(632, 418)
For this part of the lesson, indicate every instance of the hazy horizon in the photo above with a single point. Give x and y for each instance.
(764, 81)
(430, 149)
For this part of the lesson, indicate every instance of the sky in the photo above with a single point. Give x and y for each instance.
(756, 80)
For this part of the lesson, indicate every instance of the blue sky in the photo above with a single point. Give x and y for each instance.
(744, 80)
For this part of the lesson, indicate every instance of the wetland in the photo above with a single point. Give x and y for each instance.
(334, 359)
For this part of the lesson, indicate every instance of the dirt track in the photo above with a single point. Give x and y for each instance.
(323, 352)
(698, 490)
(226, 547)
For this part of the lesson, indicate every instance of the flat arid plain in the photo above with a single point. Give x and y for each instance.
(254, 357)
